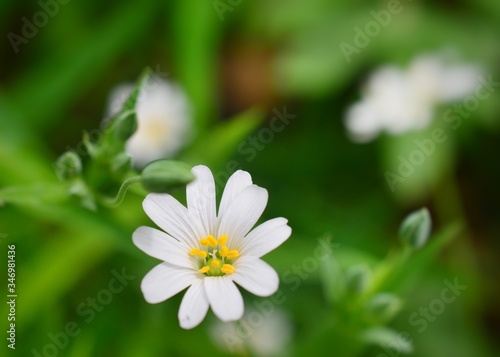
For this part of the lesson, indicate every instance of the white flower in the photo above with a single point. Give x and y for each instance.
(264, 334)
(163, 120)
(398, 101)
(207, 251)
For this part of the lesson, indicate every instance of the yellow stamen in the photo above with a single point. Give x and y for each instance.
(227, 269)
(203, 270)
(214, 255)
(195, 251)
(222, 239)
(198, 252)
(212, 241)
(215, 263)
(233, 254)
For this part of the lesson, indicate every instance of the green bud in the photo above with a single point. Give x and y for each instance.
(125, 125)
(166, 175)
(68, 166)
(416, 228)
(383, 336)
(357, 279)
(80, 191)
(384, 306)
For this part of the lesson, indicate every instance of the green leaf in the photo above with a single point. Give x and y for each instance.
(141, 84)
(126, 125)
(123, 125)
(215, 147)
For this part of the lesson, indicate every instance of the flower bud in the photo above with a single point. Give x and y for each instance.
(357, 279)
(166, 175)
(81, 192)
(384, 306)
(68, 166)
(416, 228)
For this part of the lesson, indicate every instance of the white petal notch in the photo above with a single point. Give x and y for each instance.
(210, 253)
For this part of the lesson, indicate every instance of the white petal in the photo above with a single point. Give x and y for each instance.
(224, 297)
(117, 98)
(236, 183)
(256, 276)
(163, 122)
(242, 215)
(194, 306)
(363, 121)
(200, 195)
(266, 237)
(164, 281)
(458, 82)
(173, 218)
(162, 246)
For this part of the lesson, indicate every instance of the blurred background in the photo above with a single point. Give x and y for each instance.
(241, 64)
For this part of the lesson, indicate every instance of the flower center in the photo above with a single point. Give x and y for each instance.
(154, 130)
(214, 257)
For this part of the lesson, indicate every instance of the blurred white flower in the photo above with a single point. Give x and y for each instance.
(163, 120)
(265, 334)
(396, 101)
(209, 251)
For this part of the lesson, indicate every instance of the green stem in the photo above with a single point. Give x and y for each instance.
(115, 202)
(449, 208)
(389, 268)
(244, 352)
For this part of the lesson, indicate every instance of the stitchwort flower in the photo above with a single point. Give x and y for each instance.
(209, 250)
(163, 120)
(397, 101)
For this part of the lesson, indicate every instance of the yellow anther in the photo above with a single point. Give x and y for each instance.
(233, 254)
(222, 239)
(223, 251)
(204, 242)
(203, 270)
(195, 251)
(212, 241)
(227, 269)
(198, 252)
(215, 263)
